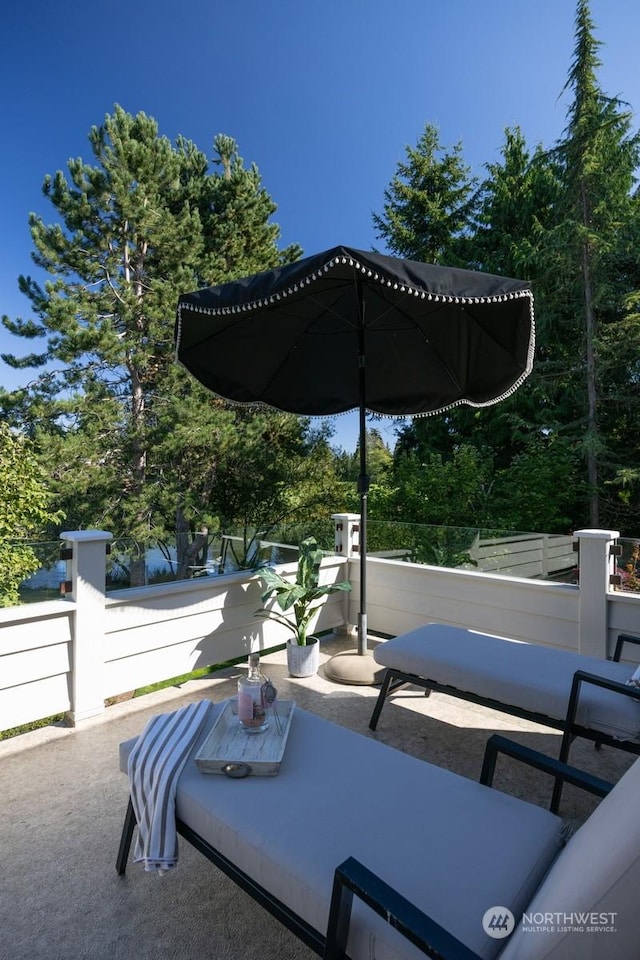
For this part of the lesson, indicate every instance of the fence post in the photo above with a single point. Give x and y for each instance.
(596, 564)
(347, 544)
(544, 561)
(86, 571)
(347, 534)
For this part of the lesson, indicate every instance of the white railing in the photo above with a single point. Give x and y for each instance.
(70, 655)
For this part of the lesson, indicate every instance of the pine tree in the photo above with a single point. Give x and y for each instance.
(517, 204)
(566, 219)
(619, 366)
(145, 222)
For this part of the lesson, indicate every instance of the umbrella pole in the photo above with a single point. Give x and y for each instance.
(358, 666)
(363, 484)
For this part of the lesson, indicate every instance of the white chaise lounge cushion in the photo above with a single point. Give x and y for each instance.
(524, 675)
(598, 872)
(452, 846)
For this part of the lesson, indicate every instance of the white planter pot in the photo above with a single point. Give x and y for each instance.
(303, 661)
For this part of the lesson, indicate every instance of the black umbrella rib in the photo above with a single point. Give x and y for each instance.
(484, 329)
(328, 309)
(426, 339)
(212, 335)
(441, 360)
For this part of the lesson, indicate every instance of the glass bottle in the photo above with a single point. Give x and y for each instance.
(252, 707)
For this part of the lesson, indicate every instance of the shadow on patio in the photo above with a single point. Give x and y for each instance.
(64, 801)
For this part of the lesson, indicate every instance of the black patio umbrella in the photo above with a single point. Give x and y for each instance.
(350, 330)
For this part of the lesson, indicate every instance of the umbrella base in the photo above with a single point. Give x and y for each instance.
(355, 668)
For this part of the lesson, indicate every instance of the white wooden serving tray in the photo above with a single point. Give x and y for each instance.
(230, 751)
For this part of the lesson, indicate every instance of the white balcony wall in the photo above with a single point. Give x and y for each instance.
(402, 596)
(154, 633)
(36, 661)
(70, 655)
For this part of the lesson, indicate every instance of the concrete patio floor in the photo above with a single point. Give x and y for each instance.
(64, 798)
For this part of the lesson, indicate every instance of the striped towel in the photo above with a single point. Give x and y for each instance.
(155, 764)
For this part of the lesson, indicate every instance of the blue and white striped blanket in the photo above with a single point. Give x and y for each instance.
(155, 764)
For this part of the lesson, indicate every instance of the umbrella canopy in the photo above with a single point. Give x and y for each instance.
(291, 338)
(350, 330)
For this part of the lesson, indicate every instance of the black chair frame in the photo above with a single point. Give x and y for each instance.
(395, 679)
(352, 878)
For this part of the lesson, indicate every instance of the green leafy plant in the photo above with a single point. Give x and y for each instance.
(303, 595)
(26, 511)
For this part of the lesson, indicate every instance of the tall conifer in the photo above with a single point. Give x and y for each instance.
(598, 156)
(108, 407)
(428, 204)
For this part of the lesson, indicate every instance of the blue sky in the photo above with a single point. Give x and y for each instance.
(323, 97)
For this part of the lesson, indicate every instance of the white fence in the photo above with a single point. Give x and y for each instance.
(69, 655)
(538, 555)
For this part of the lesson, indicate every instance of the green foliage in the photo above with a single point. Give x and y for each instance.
(429, 204)
(379, 459)
(271, 469)
(515, 207)
(303, 596)
(562, 452)
(25, 512)
(434, 489)
(132, 443)
(444, 546)
(537, 490)
(129, 439)
(598, 157)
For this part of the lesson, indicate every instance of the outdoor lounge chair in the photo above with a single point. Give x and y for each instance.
(580, 695)
(358, 847)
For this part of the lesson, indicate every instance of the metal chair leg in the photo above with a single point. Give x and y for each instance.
(126, 838)
(382, 696)
(563, 756)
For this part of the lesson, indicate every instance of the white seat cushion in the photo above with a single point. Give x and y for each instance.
(533, 678)
(451, 846)
(598, 873)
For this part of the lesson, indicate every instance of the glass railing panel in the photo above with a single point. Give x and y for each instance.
(44, 583)
(132, 563)
(628, 565)
(511, 553)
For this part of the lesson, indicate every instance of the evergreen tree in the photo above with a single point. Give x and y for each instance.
(379, 459)
(239, 236)
(598, 156)
(619, 364)
(513, 206)
(566, 219)
(441, 490)
(517, 203)
(142, 224)
(429, 203)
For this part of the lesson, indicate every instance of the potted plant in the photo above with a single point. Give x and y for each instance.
(303, 597)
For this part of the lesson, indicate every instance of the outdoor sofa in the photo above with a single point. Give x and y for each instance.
(582, 696)
(358, 847)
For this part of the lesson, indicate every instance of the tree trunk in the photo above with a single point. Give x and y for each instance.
(593, 436)
(187, 551)
(138, 404)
